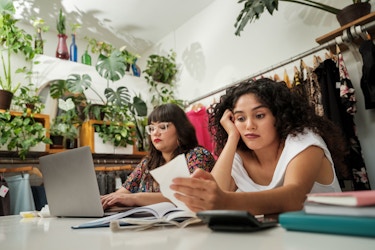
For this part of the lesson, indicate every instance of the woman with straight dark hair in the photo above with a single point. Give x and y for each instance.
(170, 134)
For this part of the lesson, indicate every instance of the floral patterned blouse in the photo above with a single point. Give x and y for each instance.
(140, 180)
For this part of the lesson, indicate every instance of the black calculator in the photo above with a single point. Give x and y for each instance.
(235, 220)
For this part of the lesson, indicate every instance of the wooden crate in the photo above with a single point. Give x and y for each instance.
(88, 137)
(45, 121)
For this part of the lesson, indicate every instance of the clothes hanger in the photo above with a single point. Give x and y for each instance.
(196, 107)
(297, 80)
(276, 77)
(286, 79)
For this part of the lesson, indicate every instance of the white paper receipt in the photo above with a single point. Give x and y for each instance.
(166, 173)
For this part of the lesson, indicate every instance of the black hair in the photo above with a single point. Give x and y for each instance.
(187, 138)
(292, 113)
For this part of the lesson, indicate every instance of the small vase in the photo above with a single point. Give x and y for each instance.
(62, 49)
(38, 43)
(86, 58)
(73, 49)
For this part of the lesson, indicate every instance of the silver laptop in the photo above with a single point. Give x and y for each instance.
(70, 183)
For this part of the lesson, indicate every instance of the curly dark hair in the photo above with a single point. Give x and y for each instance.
(292, 112)
(185, 131)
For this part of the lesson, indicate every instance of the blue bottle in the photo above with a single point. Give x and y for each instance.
(135, 68)
(73, 49)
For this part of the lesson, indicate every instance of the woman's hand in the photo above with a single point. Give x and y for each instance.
(117, 199)
(227, 121)
(199, 192)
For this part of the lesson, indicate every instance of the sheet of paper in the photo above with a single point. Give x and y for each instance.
(164, 175)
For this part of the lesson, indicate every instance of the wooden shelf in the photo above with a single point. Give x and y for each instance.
(339, 32)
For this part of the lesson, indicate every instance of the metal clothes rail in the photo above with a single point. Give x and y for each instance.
(346, 38)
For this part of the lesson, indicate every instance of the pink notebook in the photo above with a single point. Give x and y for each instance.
(349, 198)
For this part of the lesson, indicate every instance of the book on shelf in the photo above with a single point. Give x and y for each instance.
(330, 224)
(163, 213)
(348, 198)
(317, 208)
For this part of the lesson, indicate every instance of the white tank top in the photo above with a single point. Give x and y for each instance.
(293, 146)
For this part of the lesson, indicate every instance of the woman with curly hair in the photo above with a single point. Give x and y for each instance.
(273, 150)
(170, 134)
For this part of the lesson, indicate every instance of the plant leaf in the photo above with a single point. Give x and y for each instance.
(111, 68)
(119, 97)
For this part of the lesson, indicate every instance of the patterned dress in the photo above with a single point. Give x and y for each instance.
(140, 180)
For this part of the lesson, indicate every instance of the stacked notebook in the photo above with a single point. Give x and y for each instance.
(348, 213)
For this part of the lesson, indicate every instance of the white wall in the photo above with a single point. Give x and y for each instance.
(211, 56)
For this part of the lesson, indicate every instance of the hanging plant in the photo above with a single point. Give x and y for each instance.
(252, 9)
(161, 69)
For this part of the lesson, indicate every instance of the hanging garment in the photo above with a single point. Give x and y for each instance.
(101, 177)
(367, 50)
(21, 197)
(111, 184)
(330, 81)
(313, 91)
(199, 119)
(4, 201)
(39, 196)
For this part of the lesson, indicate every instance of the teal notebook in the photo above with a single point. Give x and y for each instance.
(331, 224)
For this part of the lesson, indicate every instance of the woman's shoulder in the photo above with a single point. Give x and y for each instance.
(198, 155)
(307, 138)
(199, 150)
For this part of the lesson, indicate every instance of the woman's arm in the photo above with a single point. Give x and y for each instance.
(203, 193)
(223, 167)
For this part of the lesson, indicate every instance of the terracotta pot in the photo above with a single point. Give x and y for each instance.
(353, 12)
(5, 99)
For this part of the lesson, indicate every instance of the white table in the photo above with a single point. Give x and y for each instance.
(55, 233)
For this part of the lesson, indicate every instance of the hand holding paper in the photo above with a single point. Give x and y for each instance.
(166, 173)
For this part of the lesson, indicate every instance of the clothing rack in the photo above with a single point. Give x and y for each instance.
(27, 169)
(114, 168)
(347, 37)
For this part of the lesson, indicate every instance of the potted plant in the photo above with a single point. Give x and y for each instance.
(162, 69)
(112, 63)
(21, 132)
(27, 98)
(120, 110)
(119, 130)
(62, 51)
(66, 123)
(39, 26)
(13, 41)
(253, 9)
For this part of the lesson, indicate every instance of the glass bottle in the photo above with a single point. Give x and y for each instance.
(73, 49)
(62, 49)
(136, 70)
(86, 58)
(38, 43)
